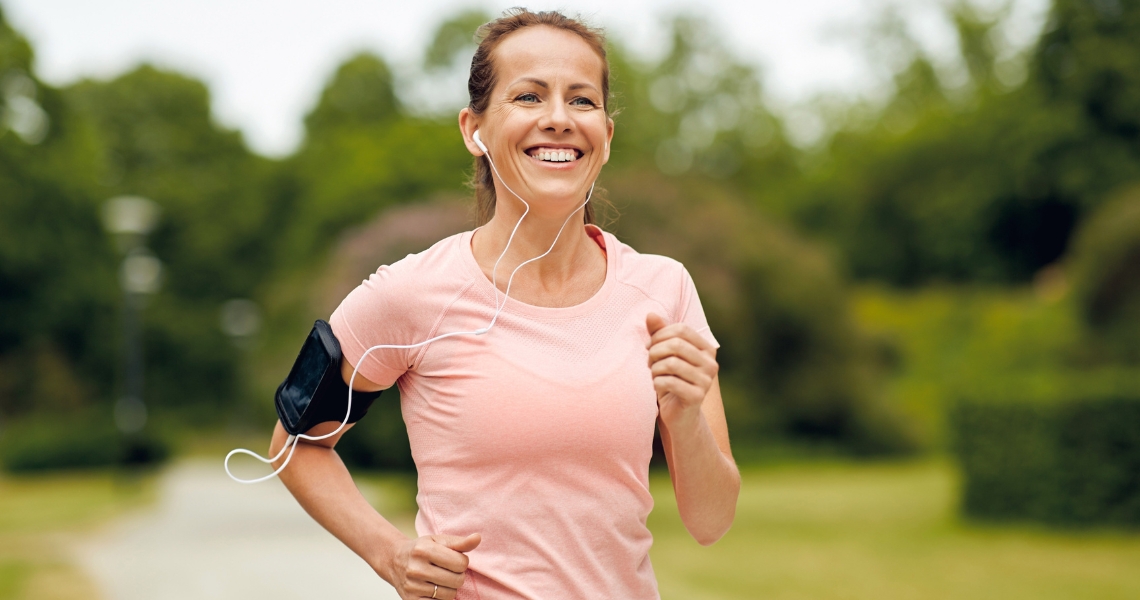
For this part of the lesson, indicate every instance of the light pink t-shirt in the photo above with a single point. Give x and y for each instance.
(536, 435)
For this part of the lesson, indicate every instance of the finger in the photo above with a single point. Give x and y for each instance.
(429, 552)
(444, 593)
(435, 575)
(425, 591)
(668, 384)
(446, 558)
(681, 348)
(654, 322)
(459, 544)
(676, 367)
(685, 332)
(679, 357)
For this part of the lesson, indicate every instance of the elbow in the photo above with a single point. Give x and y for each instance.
(709, 540)
(712, 534)
(715, 528)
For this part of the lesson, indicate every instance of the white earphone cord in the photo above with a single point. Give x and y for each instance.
(292, 441)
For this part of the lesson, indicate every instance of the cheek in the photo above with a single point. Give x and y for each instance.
(597, 133)
(504, 122)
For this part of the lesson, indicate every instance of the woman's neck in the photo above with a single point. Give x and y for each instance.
(570, 270)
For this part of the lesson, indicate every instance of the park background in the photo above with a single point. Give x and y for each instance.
(927, 291)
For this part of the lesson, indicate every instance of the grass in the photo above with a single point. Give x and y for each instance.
(879, 532)
(40, 514)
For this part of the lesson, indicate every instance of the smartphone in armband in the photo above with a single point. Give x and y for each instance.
(314, 392)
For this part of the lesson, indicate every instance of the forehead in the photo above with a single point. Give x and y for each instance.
(549, 54)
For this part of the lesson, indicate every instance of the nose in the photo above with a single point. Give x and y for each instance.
(556, 118)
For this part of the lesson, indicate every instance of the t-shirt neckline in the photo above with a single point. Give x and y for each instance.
(605, 241)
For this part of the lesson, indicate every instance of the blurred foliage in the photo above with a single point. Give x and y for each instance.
(78, 441)
(1070, 462)
(57, 277)
(455, 40)
(1105, 267)
(955, 184)
(379, 441)
(944, 341)
(792, 361)
(986, 180)
(698, 112)
(153, 136)
(362, 152)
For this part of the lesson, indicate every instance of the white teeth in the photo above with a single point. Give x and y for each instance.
(556, 156)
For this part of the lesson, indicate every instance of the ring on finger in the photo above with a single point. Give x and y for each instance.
(435, 591)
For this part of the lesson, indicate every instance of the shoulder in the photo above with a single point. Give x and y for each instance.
(415, 287)
(665, 282)
(653, 274)
(660, 279)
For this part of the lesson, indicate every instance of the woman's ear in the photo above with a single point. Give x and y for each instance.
(468, 125)
(609, 139)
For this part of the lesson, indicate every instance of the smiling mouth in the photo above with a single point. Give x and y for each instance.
(554, 154)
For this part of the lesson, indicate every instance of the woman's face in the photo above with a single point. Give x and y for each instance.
(545, 125)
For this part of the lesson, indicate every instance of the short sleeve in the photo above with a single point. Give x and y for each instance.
(377, 312)
(692, 313)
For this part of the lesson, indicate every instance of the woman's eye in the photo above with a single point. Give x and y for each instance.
(528, 97)
(580, 101)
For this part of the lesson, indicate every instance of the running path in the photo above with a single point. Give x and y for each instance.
(212, 539)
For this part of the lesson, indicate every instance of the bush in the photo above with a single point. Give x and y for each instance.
(1066, 463)
(41, 444)
(1105, 267)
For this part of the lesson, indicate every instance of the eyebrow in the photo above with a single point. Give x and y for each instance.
(544, 85)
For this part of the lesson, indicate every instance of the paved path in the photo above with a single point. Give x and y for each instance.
(209, 538)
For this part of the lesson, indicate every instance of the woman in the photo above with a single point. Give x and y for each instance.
(533, 441)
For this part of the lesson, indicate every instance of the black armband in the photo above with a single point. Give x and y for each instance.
(315, 391)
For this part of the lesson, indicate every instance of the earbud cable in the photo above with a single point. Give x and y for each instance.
(292, 441)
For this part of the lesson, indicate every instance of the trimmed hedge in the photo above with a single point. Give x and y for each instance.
(43, 444)
(1069, 463)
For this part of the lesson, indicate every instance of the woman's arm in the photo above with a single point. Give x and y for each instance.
(322, 485)
(694, 432)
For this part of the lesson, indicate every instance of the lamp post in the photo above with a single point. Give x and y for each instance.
(130, 219)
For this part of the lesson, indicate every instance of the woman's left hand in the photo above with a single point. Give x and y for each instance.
(683, 365)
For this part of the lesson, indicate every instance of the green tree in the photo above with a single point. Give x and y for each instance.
(154, 136)
(986, 181)
(454, 41)
(699, 112)
(57, 283)
(363, 152)
(943, 183)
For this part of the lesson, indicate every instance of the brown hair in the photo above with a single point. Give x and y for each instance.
(481, 82)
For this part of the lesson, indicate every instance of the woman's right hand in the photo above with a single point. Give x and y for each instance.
(419, 565)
